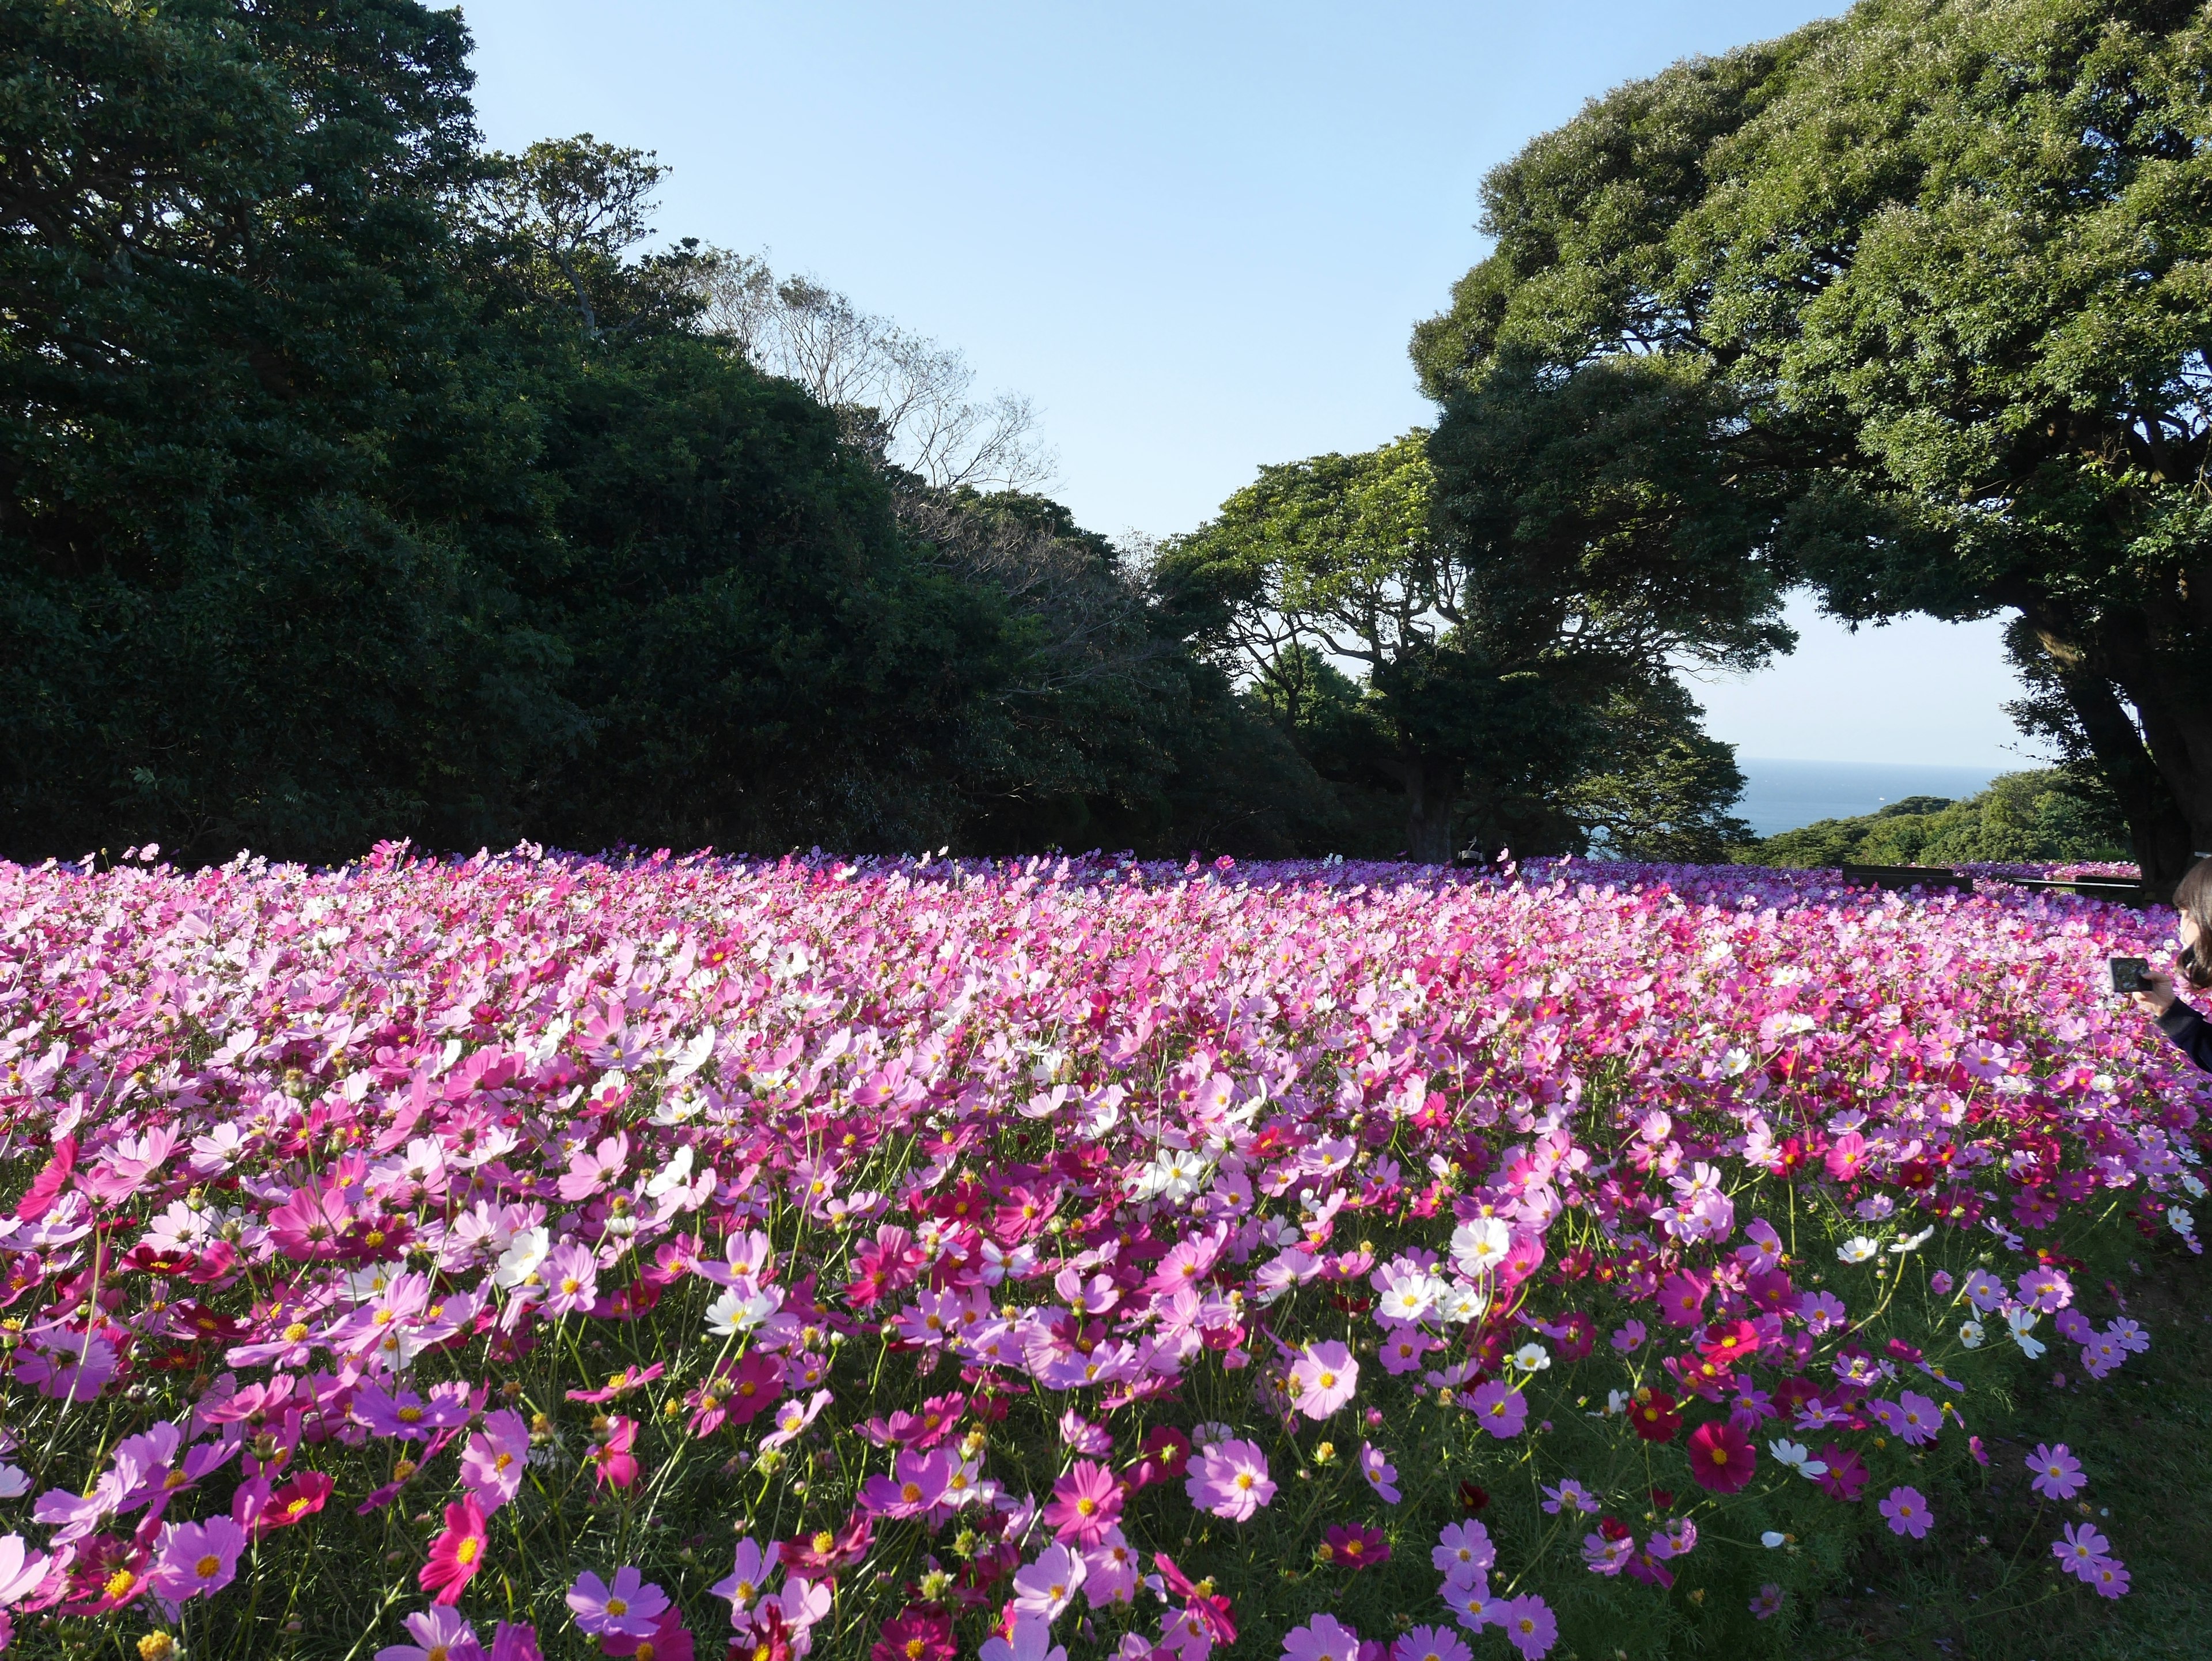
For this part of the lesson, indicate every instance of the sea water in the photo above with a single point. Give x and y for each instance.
(1782, 796)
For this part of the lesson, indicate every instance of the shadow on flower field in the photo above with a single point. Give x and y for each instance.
(2144, 1438)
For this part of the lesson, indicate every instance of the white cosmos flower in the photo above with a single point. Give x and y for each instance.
(1772, 1538)
(1856, 1250)
(1913, 1242)
(737, 1311)
(1971, 1334)
(1532, 1358)
(1480, 1246)
(2022, 1322)
(1798, 1458)
(521, 1258)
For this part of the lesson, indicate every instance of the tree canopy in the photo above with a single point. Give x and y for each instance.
(356, 481)
(1924, 288)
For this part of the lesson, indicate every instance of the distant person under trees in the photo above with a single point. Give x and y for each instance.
(2193, 898)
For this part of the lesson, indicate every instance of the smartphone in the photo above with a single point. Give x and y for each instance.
(2127, 974)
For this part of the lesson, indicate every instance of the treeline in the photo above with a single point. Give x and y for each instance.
(2046, 814)
(361, 482)
(357, 482)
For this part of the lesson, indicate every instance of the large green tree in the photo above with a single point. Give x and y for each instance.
(1935, 271)
(1515, 662)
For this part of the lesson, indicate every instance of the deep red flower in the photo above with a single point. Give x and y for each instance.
(1721, 1456)
(1652, 1414)
(920, 1631)
(1356, 1546)
(815, 1555)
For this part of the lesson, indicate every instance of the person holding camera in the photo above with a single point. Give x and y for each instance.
(2155, 993)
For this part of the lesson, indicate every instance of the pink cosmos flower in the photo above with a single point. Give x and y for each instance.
(1907, 1512)
(1323, 1638)
(631, 1608)
(2057, 1472)
(613, 1464)
(1499, 1409)
(1086, 1503)
(457, 1554)
(1529, 1625)
(1109, 1571)
(1766, 1601)
(1403, 1346)
(2108, 1576)
(1030, 1641)
(1045, 1587)
(440, 1635)
(571, 1275)
(197, 1559)
(493, 1462)
(1463, 1552)
(916, 1482)
(1324, 1379)
(1230, 1480)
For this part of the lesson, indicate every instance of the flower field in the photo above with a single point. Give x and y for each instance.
(532, 1256)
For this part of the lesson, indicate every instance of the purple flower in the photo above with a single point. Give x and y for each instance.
(2057, 1473)
(2081, 1550)
(1430, 1644)
(1324, 1637)
(1767, 1601)
(1463, 1552)
(1382, 1475)
(631, 1608)
(1499, 1408)
(1907, 1512)
(1529, 1625)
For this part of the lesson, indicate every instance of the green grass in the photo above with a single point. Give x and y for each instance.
(2144, 1438)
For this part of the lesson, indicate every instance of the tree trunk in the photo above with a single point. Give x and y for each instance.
(2164, 834)
(1430, 784)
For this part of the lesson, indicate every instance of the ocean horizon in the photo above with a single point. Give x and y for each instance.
(1782, 794)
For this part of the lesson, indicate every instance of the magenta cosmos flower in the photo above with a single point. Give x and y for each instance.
(1230, 1480)
(1324, 1379)
(1907, 1511)
(1086, 1503)
(630, 1608)
(456, 1554)
(1721, 1456)
(2057, 1472)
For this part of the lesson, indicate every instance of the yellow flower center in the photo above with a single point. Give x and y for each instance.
(209, 1567)
(617, 1606)
(466, 1551)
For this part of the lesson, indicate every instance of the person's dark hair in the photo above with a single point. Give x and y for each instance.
(2193, 896)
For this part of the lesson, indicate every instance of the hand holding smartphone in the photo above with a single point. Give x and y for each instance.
(2127, 974)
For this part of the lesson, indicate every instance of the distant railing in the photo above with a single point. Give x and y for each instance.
(2117, 890)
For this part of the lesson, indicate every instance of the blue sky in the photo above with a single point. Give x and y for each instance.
(1196, 235)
